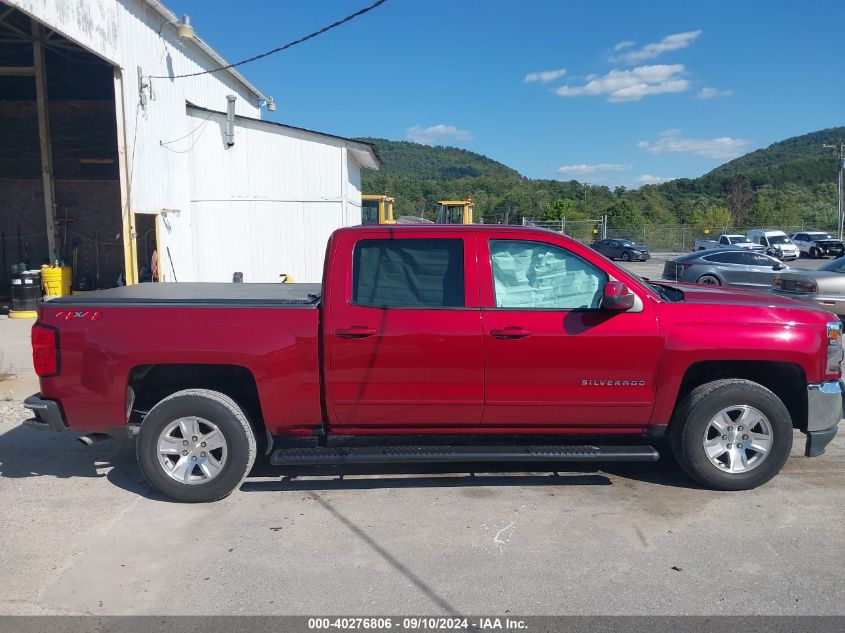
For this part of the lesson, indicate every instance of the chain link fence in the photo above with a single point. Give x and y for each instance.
(659, 238)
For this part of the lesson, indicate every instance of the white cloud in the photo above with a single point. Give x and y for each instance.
(673, 42)
(712, 93)
(671, 141)
(648, 179)
(429, 135)
(631, 85)
(590, 170)
(545, 76)
(622, 45)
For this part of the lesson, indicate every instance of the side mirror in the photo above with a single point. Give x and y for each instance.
(617, 297)
(778, 266)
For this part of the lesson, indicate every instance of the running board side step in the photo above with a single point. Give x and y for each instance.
(445, 454)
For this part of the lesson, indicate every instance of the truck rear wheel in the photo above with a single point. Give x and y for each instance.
(731, 434)
(196, 445)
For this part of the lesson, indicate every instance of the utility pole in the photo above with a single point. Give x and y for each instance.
(586, 184)
(840, 217)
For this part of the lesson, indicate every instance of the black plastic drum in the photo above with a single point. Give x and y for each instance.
(26, 290)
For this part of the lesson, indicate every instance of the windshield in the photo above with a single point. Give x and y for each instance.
(779, 239)
(739, 239)
(834, 266)
(626, 242)
(819, 236)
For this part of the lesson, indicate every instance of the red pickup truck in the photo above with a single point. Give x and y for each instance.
(440, 344)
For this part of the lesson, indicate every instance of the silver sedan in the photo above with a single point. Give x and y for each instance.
(739, 268)
(824, 287)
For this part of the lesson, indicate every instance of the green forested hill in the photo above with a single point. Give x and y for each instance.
(425, 161)
(804, 149)
(785, 184)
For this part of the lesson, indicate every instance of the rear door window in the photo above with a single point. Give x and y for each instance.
(408, 273)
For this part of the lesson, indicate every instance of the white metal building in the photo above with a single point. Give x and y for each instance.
(113, 155)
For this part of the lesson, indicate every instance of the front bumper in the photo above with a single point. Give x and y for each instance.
(48, 415)
(824, 410)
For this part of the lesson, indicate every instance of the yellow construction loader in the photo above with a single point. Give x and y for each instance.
(376, 209)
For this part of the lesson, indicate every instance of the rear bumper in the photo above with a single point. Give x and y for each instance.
(824, 410)
(48, 415)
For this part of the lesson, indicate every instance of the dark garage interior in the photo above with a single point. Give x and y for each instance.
(71, 152)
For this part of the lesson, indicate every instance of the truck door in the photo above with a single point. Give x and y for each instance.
(404, 332)
(553, 356)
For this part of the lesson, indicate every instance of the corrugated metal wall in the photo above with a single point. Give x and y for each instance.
(267, 205)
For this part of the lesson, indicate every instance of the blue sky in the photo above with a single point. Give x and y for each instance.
(606, 92)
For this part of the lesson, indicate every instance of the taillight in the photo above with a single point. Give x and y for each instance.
(45, 350)
(806, 286)
(777, 284)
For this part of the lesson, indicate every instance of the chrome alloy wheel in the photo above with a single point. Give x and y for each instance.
(192, 450)
(738, 438)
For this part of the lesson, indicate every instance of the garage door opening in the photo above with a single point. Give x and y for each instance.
(60, 196)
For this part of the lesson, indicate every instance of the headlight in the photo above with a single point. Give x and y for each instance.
(834, 348)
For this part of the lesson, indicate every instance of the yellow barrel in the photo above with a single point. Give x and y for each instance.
(23, 314)
(56, 280)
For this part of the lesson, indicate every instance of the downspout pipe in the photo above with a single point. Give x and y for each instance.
(230, 120)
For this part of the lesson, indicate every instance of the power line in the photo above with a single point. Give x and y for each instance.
(331, 26)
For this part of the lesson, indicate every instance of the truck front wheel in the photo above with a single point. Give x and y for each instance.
(731, 434)
(196, 445)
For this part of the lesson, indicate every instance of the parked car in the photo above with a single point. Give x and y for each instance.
(818, 244)
(626, 250)
(776, 243)
(739, 268)
(439, 343)
(728, 241)
(824, 287)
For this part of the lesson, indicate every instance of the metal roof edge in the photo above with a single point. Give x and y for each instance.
(166, 13)
(361, 145)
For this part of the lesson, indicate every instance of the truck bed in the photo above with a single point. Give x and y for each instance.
(199, 294)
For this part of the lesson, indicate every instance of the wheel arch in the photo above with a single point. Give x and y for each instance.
(786, 380)
(149, 384)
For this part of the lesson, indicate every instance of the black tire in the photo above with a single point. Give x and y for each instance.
(626, 256)
(232, 423)
(708, 280)
(814, 253)
(690, 421)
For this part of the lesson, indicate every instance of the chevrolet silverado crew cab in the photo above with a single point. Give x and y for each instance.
(440, 344)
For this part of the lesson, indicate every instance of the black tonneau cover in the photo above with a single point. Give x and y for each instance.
(199, 294)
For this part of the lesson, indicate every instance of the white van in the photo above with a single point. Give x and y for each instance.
(772, 238)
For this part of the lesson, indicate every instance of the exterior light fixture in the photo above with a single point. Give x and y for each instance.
(186, 30)
(269, 102)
